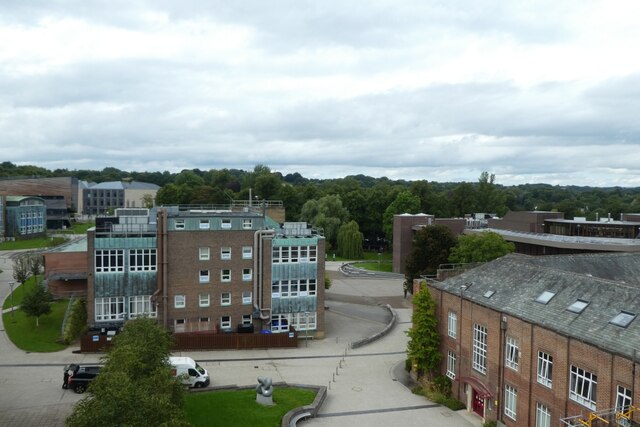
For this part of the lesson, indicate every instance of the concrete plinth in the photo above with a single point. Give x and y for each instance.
(264, 400)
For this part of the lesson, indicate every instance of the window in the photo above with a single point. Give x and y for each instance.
(279, 323)
(623, 399)
(247, 252)
(578, 306)
(545, 297)
(109, 260)
(451, 365)
(543, 416)
(225, 322)
(179, 301)
(180, 325)
(179, 224)
(204, 276)
(512, 353)
(141, 305)
(204, 300)
(583, 387)
(479, 348)
(246, 274)
(204, 224)
(142, 260)
(246, 320)
(225, 253)
(452, 325)
(246, 297)
(225, 224)
(489, 293)
(623, 319)
(247, 224)
(204, 254)
(510, 401)
(225, 275)
(545, 368)
(303, 321)
(225, 298)
(109, 309)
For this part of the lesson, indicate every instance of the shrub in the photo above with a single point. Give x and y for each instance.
(76, 322)
(327, 282)
(490, 424)
(407, 365)
(442, 384)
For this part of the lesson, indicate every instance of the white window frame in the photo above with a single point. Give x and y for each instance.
(225, 224)
(624, 400)
(225, 299)
(512, 353)
(247, 297)
(583, 387)
(247, 274)
(109, 308)
(225, 275)
(142, 260)
(109, 260)
(479, 348)
(280, 323)
(225, 253)
(247, 252)
(178, 224)
(510, 401)
(543, 416)
(141, 305)
(545, 369)
(204, 300)
(204, 224)
(225, 322)
(204, 253)
(247, 223)
(451, 365)
(247, 320)
(452, 325)
(204, 276)
(180, 325)
(179, 301)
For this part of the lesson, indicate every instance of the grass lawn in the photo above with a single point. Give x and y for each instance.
(18, 292)
(375, 266)
(238, 408)
(24, 333)
(44, 242)
(78, 228)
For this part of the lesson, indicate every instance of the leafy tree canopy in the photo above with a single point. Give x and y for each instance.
(37, 302)
(350, 241)
(480, 247)
(424, 338)
(431, 247)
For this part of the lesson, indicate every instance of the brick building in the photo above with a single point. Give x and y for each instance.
(536, 340)
(204, 269)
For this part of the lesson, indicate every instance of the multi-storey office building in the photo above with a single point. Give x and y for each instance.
(24, 217)
(100, 199)
(534, 340)
(208, 269)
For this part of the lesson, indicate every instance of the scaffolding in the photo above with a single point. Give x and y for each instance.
(609, 417)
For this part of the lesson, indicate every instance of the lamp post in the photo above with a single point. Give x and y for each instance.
(11, 287)
(306, 329)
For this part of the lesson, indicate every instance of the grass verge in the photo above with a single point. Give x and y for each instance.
(238, 408)
(375, 266)
(44, 242)
(24, 333)
(77, 228)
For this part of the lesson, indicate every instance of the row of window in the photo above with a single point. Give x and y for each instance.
(279, 322)
(205, 224)
(31, 222)
(204, 323)
(225, 275)
(289, 254)
(204, 253)
(113, 260)
(204, 300)
(114, 308)
(293, 288)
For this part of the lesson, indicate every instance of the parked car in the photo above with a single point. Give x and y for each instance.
(78, 377)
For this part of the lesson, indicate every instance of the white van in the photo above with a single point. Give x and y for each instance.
(191, 373)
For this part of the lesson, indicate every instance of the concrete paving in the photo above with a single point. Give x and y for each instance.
(366, 386)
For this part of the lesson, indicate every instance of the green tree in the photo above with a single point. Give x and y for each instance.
(480, 247)
(35, 262)
(135, 387)
(21, 268)
(430, 248)
(147, 201)
(489, 198)
(405, 202)
(424, 339)
(37, 302)
(350, 241)
(326, 212)
(463, 199)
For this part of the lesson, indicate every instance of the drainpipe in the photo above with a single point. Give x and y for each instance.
(163, 279)
(258, 245)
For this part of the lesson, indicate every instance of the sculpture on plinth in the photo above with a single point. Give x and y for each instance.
(264, 391)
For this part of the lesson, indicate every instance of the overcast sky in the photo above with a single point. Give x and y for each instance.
(532, 91)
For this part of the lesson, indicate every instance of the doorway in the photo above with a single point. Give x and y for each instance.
(478, 403)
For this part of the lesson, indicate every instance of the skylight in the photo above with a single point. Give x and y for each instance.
(489, 294)
(623, 319)
(545, 297)
(578, 306)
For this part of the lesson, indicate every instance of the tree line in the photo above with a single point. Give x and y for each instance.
(369, 202)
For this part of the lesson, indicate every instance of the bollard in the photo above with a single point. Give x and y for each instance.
(334, 377)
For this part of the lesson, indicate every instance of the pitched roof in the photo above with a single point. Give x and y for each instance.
(608, 283)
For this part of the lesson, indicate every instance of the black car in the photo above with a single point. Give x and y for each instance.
(78, 377)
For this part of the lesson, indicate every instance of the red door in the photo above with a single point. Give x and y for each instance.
(478, 404)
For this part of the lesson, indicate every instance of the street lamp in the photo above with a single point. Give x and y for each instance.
(12, 315)
(306, 330)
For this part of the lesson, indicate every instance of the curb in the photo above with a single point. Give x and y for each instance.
(385, 331)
